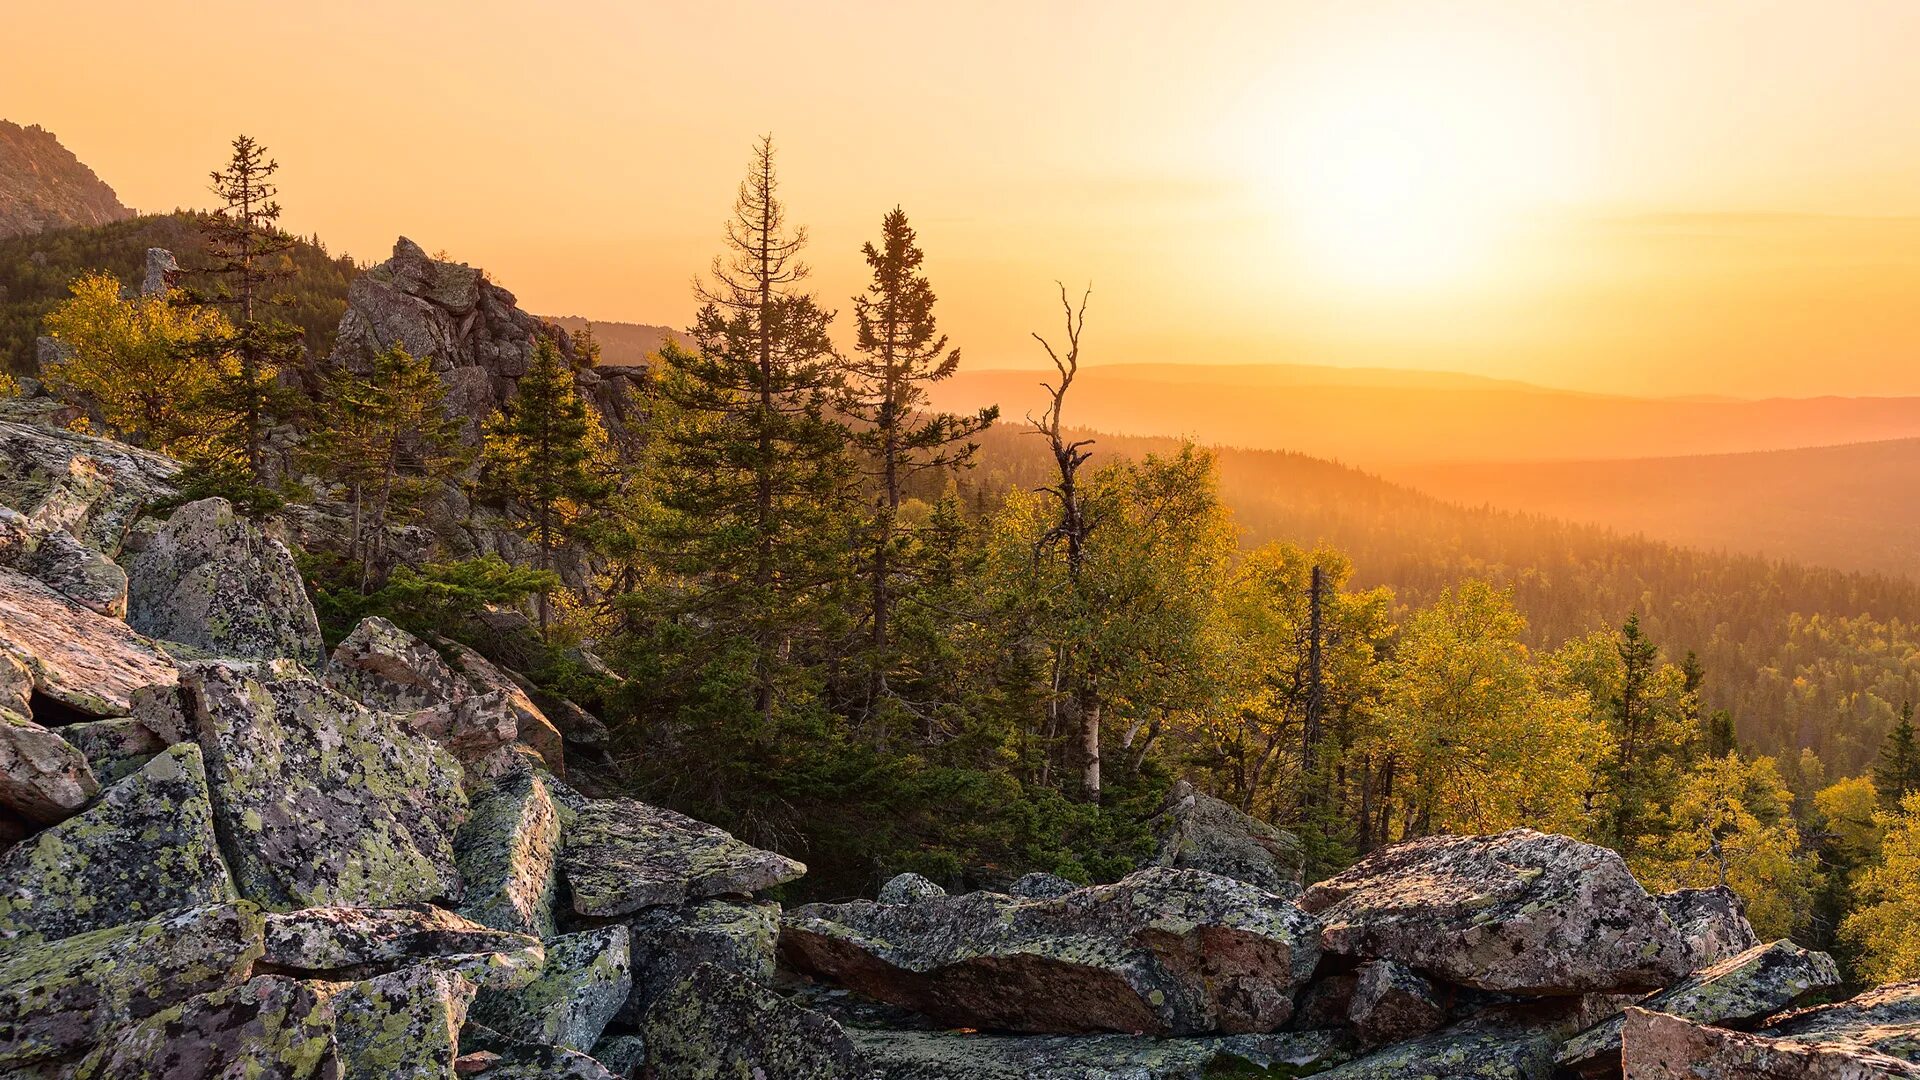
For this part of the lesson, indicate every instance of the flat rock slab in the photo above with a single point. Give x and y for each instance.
(1656, 1046)
(1161, 951)
(718, 1026)
(622, 856)
(59, 999)
(1885, 1019)
(92, 487)
(145, 849)
(1737, 991)
(1501, 1044)
(269, 1028)
(77, 657)
(1520, 912)
(346, 944)
(43, 777)
(320, 801)
(583, 985)
(211, 579)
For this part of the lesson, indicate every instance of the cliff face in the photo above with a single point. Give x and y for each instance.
(43, 186)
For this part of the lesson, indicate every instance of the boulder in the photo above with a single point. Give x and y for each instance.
(669, 942)
(210, 579)
(1503, 1043)
(531, 1061)
(1712, 923)
(77, 658)
(1326, 1002)
(718, 1026)
(1738, 991)
(578, 727)
(115, 748)
(1195, 831)
(945, 1055)
(622, 856)
(531, 725)
(387, 668)
(1656, 1046)
(64, 564)
(403, 1025)
(346, 944)
(908, 889)
(92, 488)
(1039, 886)
(147, 848)
(1162, 951)
(43, 777)
(1518, 912)
(1390, 1002)
(624, 1054)
(471, 726)
(268, 1028)
(318, 799)
(58, 999)
(508, 854)
(583, 985)
(1885, 1019)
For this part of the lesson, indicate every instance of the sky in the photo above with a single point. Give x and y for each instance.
(1635, 197)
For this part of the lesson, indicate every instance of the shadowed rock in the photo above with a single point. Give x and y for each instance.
(669, 942)
(531, 725)
(387, 668)
(43, 777)
(210, 579)
(1656, 1046)
(1391, 1002)
(114, 749)
(58, 999)
(92, 488)
(269, 1028)
(74, 656)
(319, 800)
(584, 983)
(719, 1026)
(1199, 832)
(344, 944)
(622, 856)
(1503, 1043)
(404, 1025)
(944, 1055)
(1038, 886)
(145, 849)
(1521, 911)
(1162, 951)
(1735, 992)
(908, 889)
(1712, 923)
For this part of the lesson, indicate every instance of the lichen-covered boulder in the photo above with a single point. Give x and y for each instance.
(508, 854)
(531, 725)
(403, 1025)
(669, 942)
(347, 944)
(1656, 1046)
(210, 579)
(268, 1028)
(43, 777)
(946, 1055)
(470, 727)
(320, 800)
(583, 985)
(62, 563)
(1735, 992)
(1521, 912)
(908, 889)
(1885, 1019)
(716, 1025)
(529, 1061)
(1161, 951)
(93, 488)
(115, 748)
(79, 658)
(388, 668)
(58, 999)
(1196, 831)
(1508, 1043)
(623, 1053)
(1712, 923)
(1391, 1003)
(145, 849)
(1040, 886)
(622, 856)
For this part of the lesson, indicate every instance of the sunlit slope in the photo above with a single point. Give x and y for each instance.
(1852, 506)
(1379, 418)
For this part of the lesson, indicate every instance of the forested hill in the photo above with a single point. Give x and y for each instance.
(621, 344)
(35, 271)
(1803, 656)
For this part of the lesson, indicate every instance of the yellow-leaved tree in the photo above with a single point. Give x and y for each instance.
(1886, 927)
(134, 362)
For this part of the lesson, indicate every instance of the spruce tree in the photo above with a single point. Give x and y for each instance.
(751, 471)
(248, 253)
(1898, 772)
(900, 351)
(546, 452)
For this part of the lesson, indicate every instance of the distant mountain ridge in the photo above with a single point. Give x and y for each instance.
(44, 186)
(621, 344)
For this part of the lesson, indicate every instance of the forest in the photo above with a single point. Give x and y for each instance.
(843, 623)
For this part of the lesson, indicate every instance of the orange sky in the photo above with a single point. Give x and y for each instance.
(1634, 196)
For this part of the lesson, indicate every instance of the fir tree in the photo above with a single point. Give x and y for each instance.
(900, 352)
(751, 471)
(545, 451)
(1898, 773)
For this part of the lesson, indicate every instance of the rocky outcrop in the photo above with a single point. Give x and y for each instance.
(92, 488)
(1520, 912)
(622, 856)
(1162, 951)
(1662, 1047)
(1712, 923)
(1199, 832)
(1736, 992)
(43, 186)
(1040, 886)
(211, 579)
(63, 563)
(318, 799)
(1885, 1020)
(383, 665)
(145, 849)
